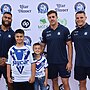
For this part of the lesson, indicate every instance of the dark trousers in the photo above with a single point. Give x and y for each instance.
(23, 86)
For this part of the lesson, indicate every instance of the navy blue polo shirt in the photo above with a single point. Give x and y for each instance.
(81, 39)
(6, 41)
(56, 44)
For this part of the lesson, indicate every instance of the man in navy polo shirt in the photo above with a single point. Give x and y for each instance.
(57, 37)
(81, 39)
(6, 41)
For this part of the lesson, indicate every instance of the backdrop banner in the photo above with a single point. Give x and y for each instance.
(31, 16)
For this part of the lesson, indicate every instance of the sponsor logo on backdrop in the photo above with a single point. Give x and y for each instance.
(48, 87)
(43, 24)
(5, 8)
(25, 23)
(42, 8)
(27, 40)
(61, 87)
(62, 21)
(61, 8)
(24, 9)
(79, 6)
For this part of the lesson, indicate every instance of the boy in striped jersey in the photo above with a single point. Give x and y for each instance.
(41, 68)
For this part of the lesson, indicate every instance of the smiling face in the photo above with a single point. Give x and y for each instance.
(6, 20)
(52, 18)
(19, 37)
(80, 19)
(37, 49)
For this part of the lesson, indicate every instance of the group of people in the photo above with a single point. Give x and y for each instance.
(27, 70)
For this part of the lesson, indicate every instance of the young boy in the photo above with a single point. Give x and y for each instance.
(21, 64)
(41, 68)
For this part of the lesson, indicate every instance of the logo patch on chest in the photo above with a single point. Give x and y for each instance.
(85, 33)
(9, 36)
(58, 33)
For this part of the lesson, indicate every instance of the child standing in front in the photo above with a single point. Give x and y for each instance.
(20, 63)
(41, 76)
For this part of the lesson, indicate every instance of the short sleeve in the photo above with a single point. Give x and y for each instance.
(43, 37)
(72, 36)
(67, 35)
(46, 64)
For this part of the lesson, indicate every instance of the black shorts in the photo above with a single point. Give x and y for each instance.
(23, 86)
(55, 70)
(81, 73)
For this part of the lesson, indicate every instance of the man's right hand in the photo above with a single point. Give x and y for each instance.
(2, 61)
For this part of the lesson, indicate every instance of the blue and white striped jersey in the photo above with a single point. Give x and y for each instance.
(41, 64)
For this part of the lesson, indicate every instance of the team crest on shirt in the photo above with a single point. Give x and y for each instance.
(20, 58)
(58, 33)
(9, 36)
(85, 33)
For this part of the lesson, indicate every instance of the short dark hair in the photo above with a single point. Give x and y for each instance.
(19, 31)
(79, 12)
(36, 44)
(52, 11)
(7, 13)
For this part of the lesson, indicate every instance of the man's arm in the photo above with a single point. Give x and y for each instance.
(46, 76)
(70, 53)
(43, 46)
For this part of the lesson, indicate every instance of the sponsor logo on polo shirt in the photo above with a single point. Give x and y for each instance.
(75, 33)
(48, 31)
(48, 35)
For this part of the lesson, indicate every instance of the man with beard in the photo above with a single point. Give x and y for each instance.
(6, 41)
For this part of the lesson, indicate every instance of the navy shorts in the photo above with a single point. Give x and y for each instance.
(55, 70)
(81, 73)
